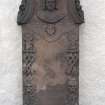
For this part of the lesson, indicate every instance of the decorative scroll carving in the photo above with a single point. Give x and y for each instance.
(25, 12)
(76, 11)
(79, 9)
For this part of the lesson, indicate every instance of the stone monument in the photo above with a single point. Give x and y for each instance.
(50, 43)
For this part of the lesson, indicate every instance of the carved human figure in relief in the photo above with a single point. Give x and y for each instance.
(50, 5)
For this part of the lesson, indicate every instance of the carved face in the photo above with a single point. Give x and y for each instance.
(50, 5)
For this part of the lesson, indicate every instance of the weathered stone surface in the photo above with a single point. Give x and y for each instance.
(50, 51)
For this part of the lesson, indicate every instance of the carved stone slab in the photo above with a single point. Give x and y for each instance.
(50, 51)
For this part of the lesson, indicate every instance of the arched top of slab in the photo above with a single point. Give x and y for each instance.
(27, 8)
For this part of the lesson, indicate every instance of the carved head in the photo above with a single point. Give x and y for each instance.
(50, 5)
